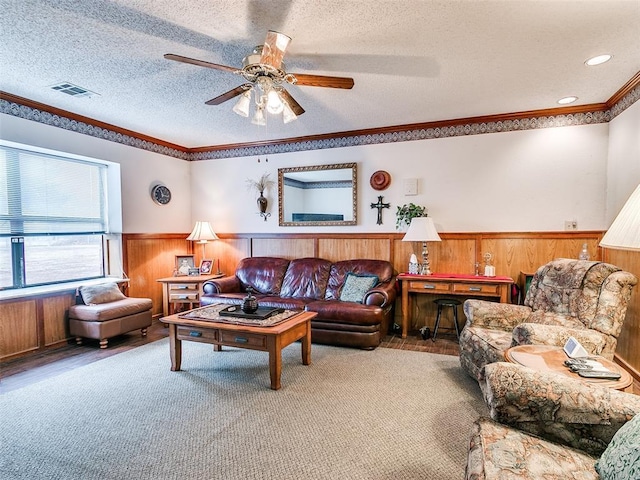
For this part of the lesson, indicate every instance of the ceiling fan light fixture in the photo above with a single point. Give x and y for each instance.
(242, 105)
(288, 115)
(275, 105)
(258, 117)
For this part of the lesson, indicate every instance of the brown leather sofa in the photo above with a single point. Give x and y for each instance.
(315, 285)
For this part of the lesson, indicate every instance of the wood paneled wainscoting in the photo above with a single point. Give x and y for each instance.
(36, 323)
(151, 256)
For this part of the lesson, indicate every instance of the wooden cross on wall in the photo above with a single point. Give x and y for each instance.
(380, 206)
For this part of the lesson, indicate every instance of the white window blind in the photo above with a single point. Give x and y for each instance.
(44, 194)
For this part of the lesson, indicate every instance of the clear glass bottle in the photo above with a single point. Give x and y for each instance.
(584, 253)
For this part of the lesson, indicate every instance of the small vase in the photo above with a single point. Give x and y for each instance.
(262, 203)
(250, 302)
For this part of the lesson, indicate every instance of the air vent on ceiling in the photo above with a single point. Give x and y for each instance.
(73, 90)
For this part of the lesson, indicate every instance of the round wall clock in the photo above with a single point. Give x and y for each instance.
(161, 194)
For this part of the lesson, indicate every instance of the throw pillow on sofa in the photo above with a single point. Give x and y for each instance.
(105, 293)
(355, 286)
(621, 459)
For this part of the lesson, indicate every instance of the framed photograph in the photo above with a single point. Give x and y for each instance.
(184, 263)
(206, 266)
(194, 272)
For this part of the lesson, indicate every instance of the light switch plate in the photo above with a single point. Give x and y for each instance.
(410, 186)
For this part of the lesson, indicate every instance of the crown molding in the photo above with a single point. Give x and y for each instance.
(43, 113)
(595, 113)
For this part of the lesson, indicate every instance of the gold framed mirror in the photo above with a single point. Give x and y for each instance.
(318, 195)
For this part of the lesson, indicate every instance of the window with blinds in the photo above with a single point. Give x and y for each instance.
(53, 214)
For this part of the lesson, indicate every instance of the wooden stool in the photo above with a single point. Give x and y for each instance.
(446, 302)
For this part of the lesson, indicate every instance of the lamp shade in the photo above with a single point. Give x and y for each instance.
(624, 233)
(242, 105)
(202, 233)
(421, 229)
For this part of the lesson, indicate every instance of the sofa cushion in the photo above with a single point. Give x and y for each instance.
(339, 270)
(306, 278)
(621, 458)
(347, 312)
(108, 311)
(103, 293)
(355, 286)
(263, 274)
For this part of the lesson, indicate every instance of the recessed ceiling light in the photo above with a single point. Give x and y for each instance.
(567, 100)
(598, 60)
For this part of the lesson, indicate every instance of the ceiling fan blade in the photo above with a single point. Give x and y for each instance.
(320, 81)
(293, 105)
(201, 63)
(229, 95)
(274, 47)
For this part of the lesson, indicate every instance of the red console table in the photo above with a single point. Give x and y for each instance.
(451, 284)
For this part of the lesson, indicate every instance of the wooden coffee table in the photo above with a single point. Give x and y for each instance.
(550, 358)
(267, 339)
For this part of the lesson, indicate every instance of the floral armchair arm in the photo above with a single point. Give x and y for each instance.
(497, 316)
(558, 408)
(539, 334)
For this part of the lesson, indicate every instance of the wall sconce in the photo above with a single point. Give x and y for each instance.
(260, 186)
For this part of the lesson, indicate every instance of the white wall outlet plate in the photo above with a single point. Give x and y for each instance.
(570, 224)
(410, 186)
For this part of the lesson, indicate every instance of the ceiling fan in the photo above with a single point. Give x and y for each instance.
(265, 73)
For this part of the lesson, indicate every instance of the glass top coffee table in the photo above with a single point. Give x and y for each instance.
(551, 359)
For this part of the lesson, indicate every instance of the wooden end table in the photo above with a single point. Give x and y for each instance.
(267, 339)
(184, 290)
(550, 358)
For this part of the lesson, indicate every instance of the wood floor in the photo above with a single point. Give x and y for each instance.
(23, 371)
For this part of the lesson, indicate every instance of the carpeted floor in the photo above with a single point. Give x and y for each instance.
(351, 414)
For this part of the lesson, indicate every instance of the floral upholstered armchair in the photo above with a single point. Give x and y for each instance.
(586, 300)
(546, 425)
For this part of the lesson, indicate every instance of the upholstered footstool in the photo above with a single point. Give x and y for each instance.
(103, 312)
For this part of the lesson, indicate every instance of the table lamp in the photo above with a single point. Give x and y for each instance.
(624, 232)
(422, 230)
(202, 233)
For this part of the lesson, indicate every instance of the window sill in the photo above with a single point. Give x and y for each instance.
(24, 293)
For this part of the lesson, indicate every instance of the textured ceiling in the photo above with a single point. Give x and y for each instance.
(412, 61)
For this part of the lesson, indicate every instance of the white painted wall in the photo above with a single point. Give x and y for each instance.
(518, 181)
(140, 170)
(623, 170)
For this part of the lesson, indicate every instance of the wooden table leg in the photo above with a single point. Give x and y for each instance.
(405, 310)
(165, 299)
(306, 346)
(275, 361)
(175, 348)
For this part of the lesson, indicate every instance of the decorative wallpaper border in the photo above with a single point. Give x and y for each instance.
(41, 116)
(471, 128)
(410, 133)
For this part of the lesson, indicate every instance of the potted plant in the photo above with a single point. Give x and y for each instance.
(405, 213)
(260, 186)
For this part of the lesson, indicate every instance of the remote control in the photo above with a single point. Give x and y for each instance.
(599, 374)
(578, 368)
